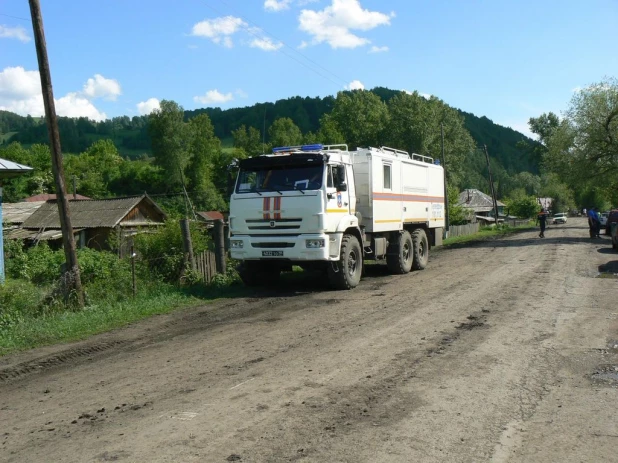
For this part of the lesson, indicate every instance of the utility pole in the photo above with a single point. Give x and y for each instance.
(446, 215)
(73, 279)
(491, 184)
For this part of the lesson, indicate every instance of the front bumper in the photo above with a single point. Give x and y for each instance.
(288, 248)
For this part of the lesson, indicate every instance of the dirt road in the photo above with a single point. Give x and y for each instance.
(506, 350)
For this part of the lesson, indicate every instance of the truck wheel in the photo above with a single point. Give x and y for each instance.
(258, 273)
(420, 249)
(400, 260)
(346, 273)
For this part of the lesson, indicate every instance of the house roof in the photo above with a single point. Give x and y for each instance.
(39, 235)
(477, 200)
(51, 197)
(16, 213)
(94, 213)
(211, 215)
(12, 169)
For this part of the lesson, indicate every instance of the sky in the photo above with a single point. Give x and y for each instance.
(508, 60)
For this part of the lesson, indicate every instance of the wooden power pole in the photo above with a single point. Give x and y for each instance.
(491, 185)
(72, 276)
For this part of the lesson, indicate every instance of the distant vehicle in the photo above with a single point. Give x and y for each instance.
(561, 217)
(611, 217)
(603, 219)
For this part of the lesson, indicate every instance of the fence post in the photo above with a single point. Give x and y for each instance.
(220, 246)
(133, 270)
(186, 243)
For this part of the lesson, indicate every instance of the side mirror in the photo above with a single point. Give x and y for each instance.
(231, 182)
(342, 187)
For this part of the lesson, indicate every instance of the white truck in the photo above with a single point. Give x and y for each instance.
(329, 209)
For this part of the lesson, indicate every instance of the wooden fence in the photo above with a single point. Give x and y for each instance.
(205, 265)
(463, 230)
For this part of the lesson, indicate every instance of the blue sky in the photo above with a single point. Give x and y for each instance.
(504, 59)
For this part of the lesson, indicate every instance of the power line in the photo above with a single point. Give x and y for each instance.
(341, 82)
(15, 17)
(285, 44)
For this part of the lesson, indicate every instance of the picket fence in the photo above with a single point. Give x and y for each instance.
(206, 265)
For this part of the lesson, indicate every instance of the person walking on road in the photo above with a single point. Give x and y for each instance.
(594, 223)
(541, 219)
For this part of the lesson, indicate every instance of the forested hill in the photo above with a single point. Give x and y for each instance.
(130, 135)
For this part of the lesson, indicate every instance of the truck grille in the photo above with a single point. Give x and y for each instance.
(272, 245)
(278, 224)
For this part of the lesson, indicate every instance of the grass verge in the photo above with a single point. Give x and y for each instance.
(69, 326)
(487, 233)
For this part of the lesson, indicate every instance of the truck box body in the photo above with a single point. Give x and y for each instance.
(394, 190)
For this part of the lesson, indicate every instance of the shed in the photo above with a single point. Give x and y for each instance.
(8, 169)
(479, 202)
(14, 214)
(96, 220)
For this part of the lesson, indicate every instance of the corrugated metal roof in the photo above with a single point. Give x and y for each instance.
(477, 200)
(94, 213)
(211, 215)
(11, 169)
(16, 213)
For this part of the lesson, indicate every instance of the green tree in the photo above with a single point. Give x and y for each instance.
(249, 139)
(283, 132)
(415, 127)
(361, 116)
(521, 204)
(583, 148)
(204, 149)
(170, 140)
(94, 169)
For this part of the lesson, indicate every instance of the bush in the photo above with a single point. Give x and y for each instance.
(162, 251)
(18, 299)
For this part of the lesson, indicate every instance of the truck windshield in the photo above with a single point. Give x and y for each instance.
(280, 178)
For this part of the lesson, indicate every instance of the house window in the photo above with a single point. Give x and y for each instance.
(387, 176)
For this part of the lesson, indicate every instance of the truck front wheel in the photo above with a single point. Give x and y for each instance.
(420, 249)
(346, 273)
(399, 261)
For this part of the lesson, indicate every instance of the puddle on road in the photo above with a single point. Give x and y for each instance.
(607, 374)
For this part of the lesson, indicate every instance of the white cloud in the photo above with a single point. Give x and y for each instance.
(100, 87)
(74, 105)
(265, 44)
(219, 30)
(306, 2)
(277, 5)
(20, 92)
(148, 106)
(334, 23)
(241, 93)
(213, 96)
(355, 85)
(18, 33)
(375, 49)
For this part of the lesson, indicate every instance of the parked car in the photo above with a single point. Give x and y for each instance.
(603, 220)
(560, 217)
(611, 217)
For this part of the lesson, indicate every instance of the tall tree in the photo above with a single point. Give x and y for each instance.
(170, 140)
(584, 146)
(361, 116)
(283, 132)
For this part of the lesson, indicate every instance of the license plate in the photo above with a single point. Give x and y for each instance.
(272, 253)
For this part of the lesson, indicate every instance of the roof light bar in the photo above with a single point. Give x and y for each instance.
(283, 149)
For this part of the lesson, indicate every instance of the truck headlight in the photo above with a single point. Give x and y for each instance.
(314, 243)
(236, 244)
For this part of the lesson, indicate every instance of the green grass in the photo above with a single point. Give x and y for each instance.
(97, 318)
(5, 136)
(486, 233)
